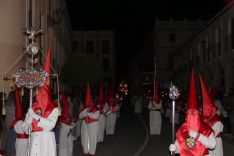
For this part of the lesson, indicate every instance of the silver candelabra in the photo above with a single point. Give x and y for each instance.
(173, 94)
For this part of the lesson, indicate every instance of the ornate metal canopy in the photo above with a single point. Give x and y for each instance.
(174, 92)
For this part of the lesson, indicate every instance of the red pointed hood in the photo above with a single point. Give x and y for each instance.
(88, 99)
(66, 114)
(47, 66)
(209, 109)
(43, 98)
(48, 62)
(111, 101)
(192, 98)
(19, 110)
(66, 109)
(193, 118)
(100, 97)
(107, 95)
(211, 93)
(192, 122)
(156, 95)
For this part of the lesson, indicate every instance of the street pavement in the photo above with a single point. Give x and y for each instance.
(132, 138)
(128, 138)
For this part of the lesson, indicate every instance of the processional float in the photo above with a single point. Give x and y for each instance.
(32, 76)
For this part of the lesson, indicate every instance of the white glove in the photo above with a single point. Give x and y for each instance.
(193, 134)
(172, 147)
(33, 114)
(84, 113)
(85, 110)
(27, 128)
(28, 119)
(73, 125)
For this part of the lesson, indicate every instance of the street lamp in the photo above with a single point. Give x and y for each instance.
(123, 89)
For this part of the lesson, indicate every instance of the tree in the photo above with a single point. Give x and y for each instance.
(80, 69)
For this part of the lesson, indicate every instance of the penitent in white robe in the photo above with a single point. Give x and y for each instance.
(218, 150)
(21, 144)
(65, 140)
(89, 132)
(155, 118)
(102, 124)
(111, 117)
(137, 108)
(43, 142)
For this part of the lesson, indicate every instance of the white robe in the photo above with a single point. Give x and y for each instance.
(155, 118)
(102, 124)
(111, 117)
(65, 140)
(220, 107)
(118, 111)
(43, 142)
(218, 150)
(89, 132)
(21, 144)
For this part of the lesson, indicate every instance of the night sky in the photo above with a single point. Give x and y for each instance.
(133, 20)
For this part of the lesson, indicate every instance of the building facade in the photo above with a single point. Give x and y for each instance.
(210, 52)
(49, 15)
(101, 45)
(141, 69)
(169, 35)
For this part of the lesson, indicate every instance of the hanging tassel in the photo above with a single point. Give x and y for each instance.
(3, 100)
(22, 91)
(3, 109)
(59, 109)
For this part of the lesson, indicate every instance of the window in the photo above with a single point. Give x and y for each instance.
(106, 64)
(89, 47)
(105, 47)
(172, 37)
